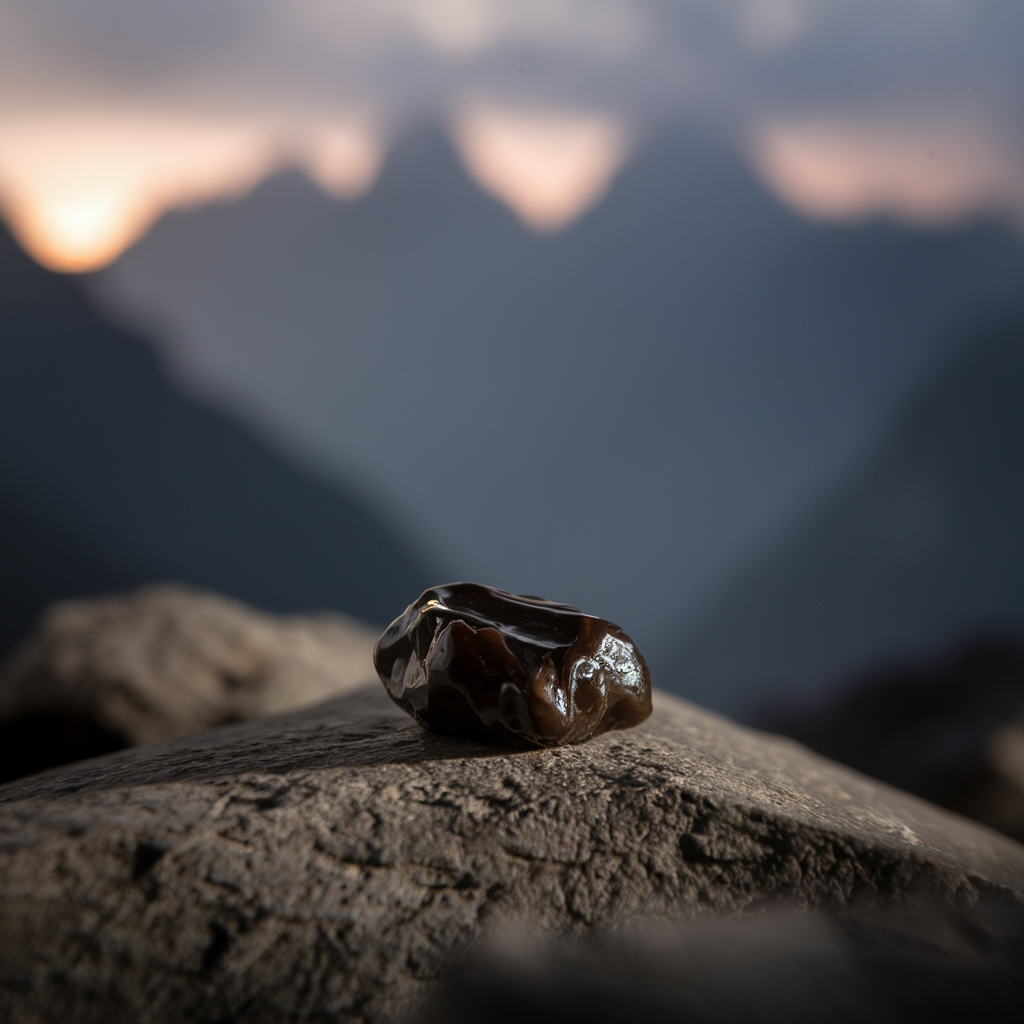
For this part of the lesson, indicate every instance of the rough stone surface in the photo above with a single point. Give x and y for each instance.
(329, 864)
(169, 660)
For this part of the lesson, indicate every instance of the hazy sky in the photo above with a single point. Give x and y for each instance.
(113, 110)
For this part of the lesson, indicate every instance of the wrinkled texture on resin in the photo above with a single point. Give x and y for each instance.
(469, 660)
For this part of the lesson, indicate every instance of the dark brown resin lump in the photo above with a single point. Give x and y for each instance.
(472, 661)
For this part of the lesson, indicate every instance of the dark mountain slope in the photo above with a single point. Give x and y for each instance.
(922, 548)
(108, 477)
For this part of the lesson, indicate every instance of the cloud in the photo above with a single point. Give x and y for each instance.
(547, 167)
(830, 99)
(79, 186)
(922, 173)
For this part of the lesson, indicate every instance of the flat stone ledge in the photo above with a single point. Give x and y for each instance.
(329, 864)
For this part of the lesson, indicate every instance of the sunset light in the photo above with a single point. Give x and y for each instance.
(549, 168)
(78, 190)
(834, 170)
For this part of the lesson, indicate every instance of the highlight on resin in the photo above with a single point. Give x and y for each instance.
(469, 660)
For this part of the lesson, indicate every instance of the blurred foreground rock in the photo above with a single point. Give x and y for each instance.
(912, 964)
(950, 730)
(161, 662)
(332, 863)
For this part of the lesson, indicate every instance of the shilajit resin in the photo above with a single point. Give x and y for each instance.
(469, 660)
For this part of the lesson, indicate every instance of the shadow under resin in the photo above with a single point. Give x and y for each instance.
(358, 729)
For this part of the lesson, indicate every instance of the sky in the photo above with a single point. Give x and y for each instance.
(114, 111)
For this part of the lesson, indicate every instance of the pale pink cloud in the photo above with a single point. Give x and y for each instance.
(843, 169)
(549, 167)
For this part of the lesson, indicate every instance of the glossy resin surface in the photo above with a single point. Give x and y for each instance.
(469, 660)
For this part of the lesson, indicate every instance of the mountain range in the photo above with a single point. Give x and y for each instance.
(623, 415)
(626, 415)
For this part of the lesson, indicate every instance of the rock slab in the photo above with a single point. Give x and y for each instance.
(330, 864)
(165, 661)
(859, 966)
(950, 729)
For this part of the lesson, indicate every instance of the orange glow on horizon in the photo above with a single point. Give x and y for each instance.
(78, 191)
(834, 170)
(549, 168)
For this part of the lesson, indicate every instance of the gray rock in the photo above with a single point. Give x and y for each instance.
(1000, 802)
(949, 728)
(330, 864)
(170, 660)
(860, 966)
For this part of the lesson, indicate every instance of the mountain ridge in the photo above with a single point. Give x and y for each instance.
(918, 550)
(619, 415)
(110, 478)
